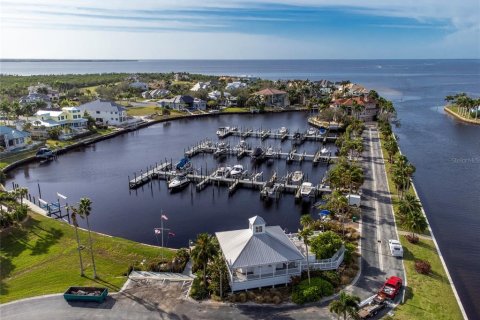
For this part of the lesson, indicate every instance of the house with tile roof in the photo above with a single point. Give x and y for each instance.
(273, 97)
(368, 110)
(264, 255)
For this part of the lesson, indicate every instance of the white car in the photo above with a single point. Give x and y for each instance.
(396, 248)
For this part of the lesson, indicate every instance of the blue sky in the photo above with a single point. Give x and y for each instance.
(234, 29)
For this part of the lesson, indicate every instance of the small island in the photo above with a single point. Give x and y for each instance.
(463, 108)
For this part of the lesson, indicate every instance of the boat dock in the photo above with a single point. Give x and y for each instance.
(263, 134)
(293, 155)
(148, 175)
(284, 185)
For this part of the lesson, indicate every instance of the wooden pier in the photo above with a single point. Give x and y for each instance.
(298, 137)
(208, 146)
(148, 175)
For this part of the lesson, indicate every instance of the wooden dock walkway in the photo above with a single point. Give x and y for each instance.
(291, 156)
(148, 175)
(271, 134)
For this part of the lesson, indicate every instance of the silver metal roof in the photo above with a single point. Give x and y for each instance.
(243, 248)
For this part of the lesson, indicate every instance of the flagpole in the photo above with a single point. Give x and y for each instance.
(161, 224)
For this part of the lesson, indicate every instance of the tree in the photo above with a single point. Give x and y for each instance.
(73, 215)
(409, 204)
(22, 193)
(84, 210)
(345, 305)
(391, 146)
(203, 252)
(415, 222)
(305, 235)
(402, 172)
(306, 220)
(338, 203)
(326, 244)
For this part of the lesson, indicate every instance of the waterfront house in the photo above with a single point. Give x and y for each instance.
(69, 118)
(181, 102)
(369, 109)
(273, 97)
(200, 86)
(235, 85)
(105, 111)
(156, 93)
(266, 256)
(259, 256)
(11, 139)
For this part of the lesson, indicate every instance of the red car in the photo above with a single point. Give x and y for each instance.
(390, 289)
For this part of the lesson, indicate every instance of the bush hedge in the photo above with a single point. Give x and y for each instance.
(305, 292)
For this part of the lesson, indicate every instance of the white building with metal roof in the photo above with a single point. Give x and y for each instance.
(263, 256)
(259, 256)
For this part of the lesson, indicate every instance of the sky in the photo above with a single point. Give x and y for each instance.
(235, 29)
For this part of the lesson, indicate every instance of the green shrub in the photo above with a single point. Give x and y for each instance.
(350, 249)
(318, 288)
(326, 244)
(198, 291)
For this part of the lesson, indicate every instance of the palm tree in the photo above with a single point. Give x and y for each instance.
(305, 235)
(84, 210)
(306, 220)
(346, 305)
(75, 225)
(22, 193)
(408, 205)
(415, 222)
(204, 251)
(391, 146)
(402, 171)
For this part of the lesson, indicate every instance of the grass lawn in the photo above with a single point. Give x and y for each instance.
(6, 160)
(456, 110)
(235, 109)
(427, 296)
(41, 258)
(143, 111)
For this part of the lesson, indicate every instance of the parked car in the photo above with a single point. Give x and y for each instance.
(395, 248)
(389, 290)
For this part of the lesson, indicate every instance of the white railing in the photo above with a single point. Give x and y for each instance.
(240, 277)
(326, 264)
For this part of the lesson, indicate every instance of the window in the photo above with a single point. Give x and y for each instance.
(258, 229)
(98, 112)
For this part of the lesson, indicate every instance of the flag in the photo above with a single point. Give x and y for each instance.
(157, 230)
(171, 234)
(164, 217)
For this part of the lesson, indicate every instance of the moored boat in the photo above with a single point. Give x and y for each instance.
(297, 177)
(179, 182)
(237, 171)
(306, 190)
(44, 153)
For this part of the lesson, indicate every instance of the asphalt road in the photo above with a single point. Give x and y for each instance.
(378, 224)
(165, 302)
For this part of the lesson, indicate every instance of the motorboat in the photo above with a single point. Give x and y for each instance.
(222, 131)
(312, 131)
(178, 182)
(184, 164)
(242, 144)
(223, 172)
(283, 131)
(297, 177)
(271, 190)
(221, 150)
(306, 190)
(322, 130)
(269, 153)
(325, 151)
(237, 171)
(44, 153)
(258, 154)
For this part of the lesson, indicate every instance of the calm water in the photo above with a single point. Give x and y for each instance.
(445, 152)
